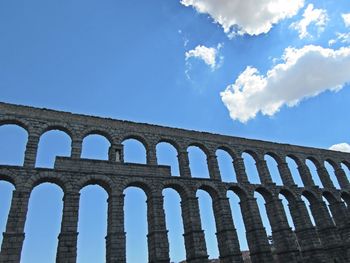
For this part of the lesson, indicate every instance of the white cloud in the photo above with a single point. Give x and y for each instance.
(346, 18)
(207, 54)
(303, 73)
(318, 17)
(340, 147)
(341, 37)
(246, 16)
(332, 42)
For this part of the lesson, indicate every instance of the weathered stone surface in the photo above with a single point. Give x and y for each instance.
(328, 241)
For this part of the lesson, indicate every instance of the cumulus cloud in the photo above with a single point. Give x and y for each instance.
(317, 17)
(207, 54)
(246, 16)
(303, 73)
(346, 18)
(340, 147)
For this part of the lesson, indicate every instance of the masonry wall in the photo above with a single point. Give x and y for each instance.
(329, 241)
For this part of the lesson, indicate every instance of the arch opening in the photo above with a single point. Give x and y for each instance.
(198, 162)
(330, 169)
(43, 223)
(286, 208)
(174, 223)
(263, 215)
(273, 169)
(136, 226)
(293, 167)
(167, 155)
(95, 147)
(346, 198)
(208, 222)
(92, 224)
(308, 208)
(325, 199)
(134, 151)
(234, 200)
(346, 169)
(313, 171)
(52, 143)
(251, 169)
(226, 167)
(13, 140)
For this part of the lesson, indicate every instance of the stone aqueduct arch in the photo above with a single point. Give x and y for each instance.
(328, 241)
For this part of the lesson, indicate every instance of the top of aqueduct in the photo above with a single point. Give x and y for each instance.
(40, 120)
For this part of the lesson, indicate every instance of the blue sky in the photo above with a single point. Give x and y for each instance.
(229, 67)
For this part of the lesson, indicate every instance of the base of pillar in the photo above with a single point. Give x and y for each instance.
(261, 257)
(67, 247)
(198, 260)
(232, 259)
(11, 247)
(160, 261)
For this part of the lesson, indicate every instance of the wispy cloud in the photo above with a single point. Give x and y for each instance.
(340, 37)
(184, 38)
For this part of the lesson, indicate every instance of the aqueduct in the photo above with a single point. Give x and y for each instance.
(327, 241)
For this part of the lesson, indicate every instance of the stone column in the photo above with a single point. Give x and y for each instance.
(151, 155)
(196, 249)
(305, 175)
(120, 151)
(158, 245)
(31, 150)
(342, 179)
(226, 233)
(241, 174)
(115, 153)
(112, 155)
(213, 166)
(259, 247)
(263, 170)
(76, 148)
(327, 231)
(115, 239)
(184, 164)
(307, 236)
(284, 239)
(325, 178)
(14, 236)
(285, 173)
(342, 220)
(67, 239)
